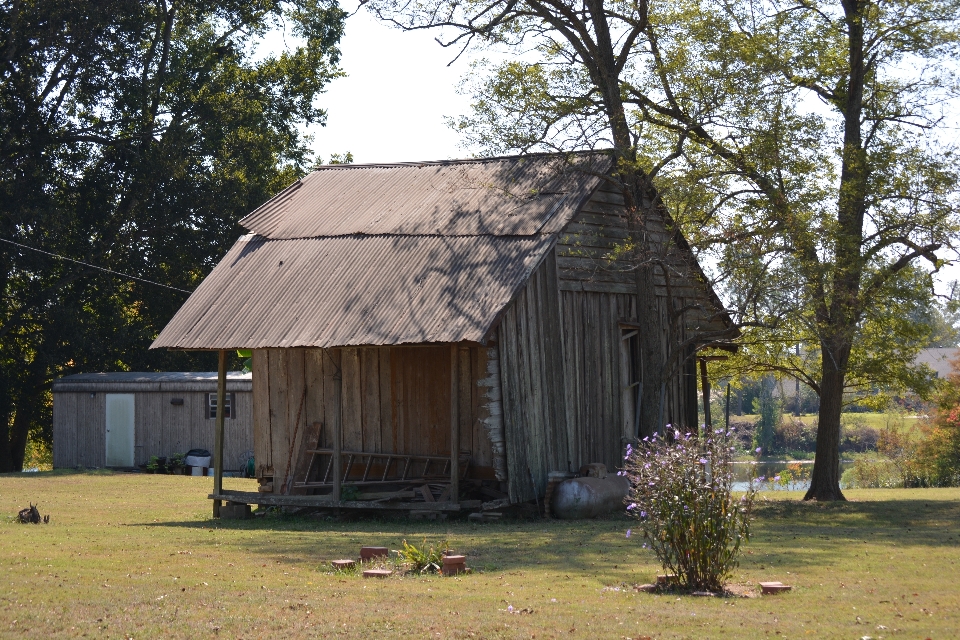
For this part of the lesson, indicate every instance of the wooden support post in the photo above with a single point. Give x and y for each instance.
(705, 386)
(726, 420)
(454, 426)
(218, 441)
(337, 451)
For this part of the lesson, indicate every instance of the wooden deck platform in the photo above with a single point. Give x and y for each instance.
(274, 500)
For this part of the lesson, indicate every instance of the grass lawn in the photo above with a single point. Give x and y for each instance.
(875, 420)
(129, 555)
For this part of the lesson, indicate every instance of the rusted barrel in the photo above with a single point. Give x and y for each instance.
(588, 497)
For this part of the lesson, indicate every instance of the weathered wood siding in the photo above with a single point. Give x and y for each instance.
(386, 399)
(79, 430)
(598, 301)
(532, 385)
(160, 428)
(546, 394)
(590, 257)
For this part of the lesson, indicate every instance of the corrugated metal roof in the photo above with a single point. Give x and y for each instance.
(519, 195)
(135, 381)
(152, 376)
(354, 290)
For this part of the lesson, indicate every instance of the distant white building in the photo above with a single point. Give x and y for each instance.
(939, 359)
(122, 419)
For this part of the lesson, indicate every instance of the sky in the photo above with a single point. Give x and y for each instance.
(391, 105)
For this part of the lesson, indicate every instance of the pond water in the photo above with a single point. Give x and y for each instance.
(744, 471)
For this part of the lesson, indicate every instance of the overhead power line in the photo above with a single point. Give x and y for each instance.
(93, 266)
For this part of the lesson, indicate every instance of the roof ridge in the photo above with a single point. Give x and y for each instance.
(513, 236)
(454, 161)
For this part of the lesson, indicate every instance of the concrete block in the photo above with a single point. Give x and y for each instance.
(772, 588)
(235, 511)
(369, 553)
(377, 573)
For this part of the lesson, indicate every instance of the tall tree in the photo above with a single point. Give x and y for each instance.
(573, 101)
(794, 140)
(133, 136)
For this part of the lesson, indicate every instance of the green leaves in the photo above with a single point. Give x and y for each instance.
(133, 136)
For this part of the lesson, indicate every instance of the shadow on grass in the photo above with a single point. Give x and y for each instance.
(510, 545)
(55, 473)
(784, 532)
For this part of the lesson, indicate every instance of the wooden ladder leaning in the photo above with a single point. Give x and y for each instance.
(403, 467)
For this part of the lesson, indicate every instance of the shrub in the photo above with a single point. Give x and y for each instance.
(936, 457)
(422, 559)
(681, 493)
(872, 473)
(794, 434)
(742, 436)
(857, 437)
(770, 410)
(176, 462)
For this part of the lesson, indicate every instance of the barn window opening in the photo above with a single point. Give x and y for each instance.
(212, 406)
(632, 378)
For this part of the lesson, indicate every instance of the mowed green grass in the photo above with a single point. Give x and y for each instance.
(875, 420)
(129, 555)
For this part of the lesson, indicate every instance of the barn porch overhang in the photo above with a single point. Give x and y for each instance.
(392, 475)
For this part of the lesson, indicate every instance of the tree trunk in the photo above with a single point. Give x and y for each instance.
(838, 320)
(13, 443)
(825, 483)
(651, 353)
(641, 203)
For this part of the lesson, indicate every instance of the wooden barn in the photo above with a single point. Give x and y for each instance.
(441, 333)
(122, 419)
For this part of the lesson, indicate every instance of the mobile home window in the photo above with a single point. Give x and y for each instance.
(212, 406)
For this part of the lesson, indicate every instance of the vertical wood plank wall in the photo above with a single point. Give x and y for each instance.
(559, 341)
(387, 400)
(597, 295)
(532, 384)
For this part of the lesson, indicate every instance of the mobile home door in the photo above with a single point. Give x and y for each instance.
(119, 429)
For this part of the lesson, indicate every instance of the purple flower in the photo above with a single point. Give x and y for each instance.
(643, 514)
(776, 478)
(628, 532)
(646, 466)
(631, 506)
(703, 461)
(761, 478)
(647, 439)
(758, 450)
(510, 608)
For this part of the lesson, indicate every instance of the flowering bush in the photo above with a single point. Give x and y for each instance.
(682, 494)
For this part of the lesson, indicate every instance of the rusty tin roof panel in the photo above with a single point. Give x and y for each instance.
(354, 290)
(522, 195)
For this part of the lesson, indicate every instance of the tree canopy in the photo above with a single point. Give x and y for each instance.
(795, 142)
(133, 137)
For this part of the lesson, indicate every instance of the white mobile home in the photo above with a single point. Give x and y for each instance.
(122, 419)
